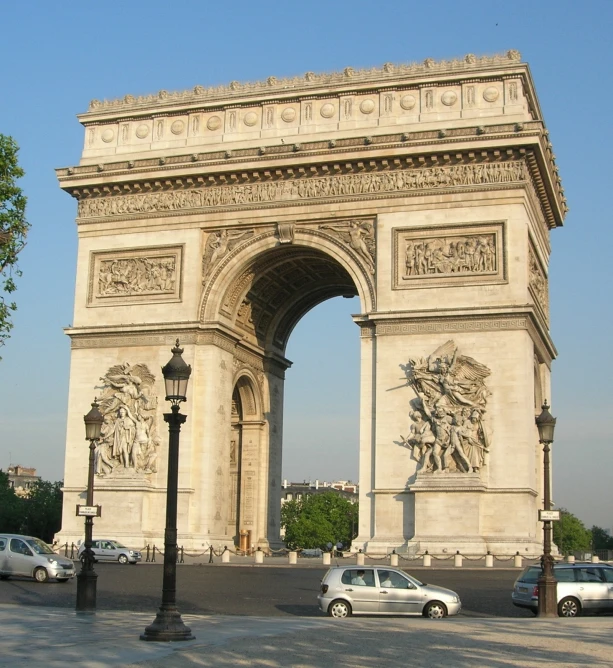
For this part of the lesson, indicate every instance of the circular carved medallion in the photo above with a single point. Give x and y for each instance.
(407, 102)
(214, 123)
(491, 94)
(327, 110)
(251, 118)
(107, 135)
(142, 131)
(449, 98)
(177, 127)
(367, 107)
(288, 115)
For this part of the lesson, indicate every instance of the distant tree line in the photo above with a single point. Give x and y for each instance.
(37, 514)
(571, 535)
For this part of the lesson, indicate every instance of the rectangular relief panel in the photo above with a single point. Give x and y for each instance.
(467, 254)
(135, 276)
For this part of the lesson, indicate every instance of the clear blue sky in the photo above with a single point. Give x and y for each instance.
(57, 56)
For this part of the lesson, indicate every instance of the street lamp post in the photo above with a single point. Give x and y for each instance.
(547, 584)
(87, 577)
(168, 625)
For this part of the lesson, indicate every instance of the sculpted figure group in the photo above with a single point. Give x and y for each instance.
(446, 431)
(438, 255)
(128, 438)
(136, 275)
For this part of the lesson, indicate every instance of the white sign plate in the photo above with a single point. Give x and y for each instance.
(549, 515)
(88, 511)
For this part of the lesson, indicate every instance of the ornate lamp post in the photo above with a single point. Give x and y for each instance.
(87, 577)
(547, 584)
(168, 624)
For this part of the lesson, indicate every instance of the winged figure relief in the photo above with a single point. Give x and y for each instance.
(218, 245)
(358, 235)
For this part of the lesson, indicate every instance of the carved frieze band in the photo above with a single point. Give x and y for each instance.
(135, 275)
(455, 255)
(451, 326)
(538, 283)
(290, 189)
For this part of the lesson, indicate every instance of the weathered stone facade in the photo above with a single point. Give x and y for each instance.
(221, 216)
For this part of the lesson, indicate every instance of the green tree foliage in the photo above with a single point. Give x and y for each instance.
(601, 540)
(43, 510)
(319, 519)
(13, 229)
(570, 534)
(10, 506)
(38, 514)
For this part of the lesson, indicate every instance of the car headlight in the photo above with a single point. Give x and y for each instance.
(51, 560)
(131, 552)
(455, 599)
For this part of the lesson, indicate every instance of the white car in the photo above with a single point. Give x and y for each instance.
(105, 549)
(30, 557)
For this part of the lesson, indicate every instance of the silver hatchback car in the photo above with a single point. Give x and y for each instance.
(30, 557)
(580, 587)
(347, 590)
(111, 550)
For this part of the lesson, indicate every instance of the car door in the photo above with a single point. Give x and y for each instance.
(20, 558)
(608, 578)
(359, 585)
(593, 589)
(3, 554)
(397, 594)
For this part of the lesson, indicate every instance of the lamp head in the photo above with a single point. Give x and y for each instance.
(93, 422)
(546, 424)
(176, 376)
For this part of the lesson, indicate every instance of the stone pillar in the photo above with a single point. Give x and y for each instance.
(518, 561)
(457, 560)
(360, 559)
(292, 557)
(259, 556)
(393, 559)
(427, 560)
(570, 559)
(326, 558)
(225, 557)
(595, 559)
(489, 560)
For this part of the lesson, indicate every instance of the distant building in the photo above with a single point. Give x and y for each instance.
(292, 491)
(22, 479)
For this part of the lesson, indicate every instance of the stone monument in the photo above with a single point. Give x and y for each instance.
(220, 216)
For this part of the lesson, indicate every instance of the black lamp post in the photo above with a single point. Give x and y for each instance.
(87, 577)
(168, 624)
(547, 584)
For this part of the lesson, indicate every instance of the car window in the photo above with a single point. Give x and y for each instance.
(608, 574)
(564, 574)
(361, 577)
(589, 575)
(39, 547)
(19, 547)
(2, 544)
(531, 575)
(392, 579)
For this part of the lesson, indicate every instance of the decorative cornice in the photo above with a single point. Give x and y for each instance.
(307, 83)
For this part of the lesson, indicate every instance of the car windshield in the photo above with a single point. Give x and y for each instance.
(39, 547)
(119, 545)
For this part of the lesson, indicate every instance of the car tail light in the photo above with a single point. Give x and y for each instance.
(535, 591)
(324, 589)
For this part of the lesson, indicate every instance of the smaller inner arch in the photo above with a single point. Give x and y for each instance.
(280, 286)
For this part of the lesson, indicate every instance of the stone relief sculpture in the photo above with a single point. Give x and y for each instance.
(447, 432)
(453, 255)
(306, 188)
(129, 439)
(137, 275)
(358, 235)
(218, 245)
(538, 283)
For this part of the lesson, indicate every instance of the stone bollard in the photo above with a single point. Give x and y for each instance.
(360, 559)
(292, 557)
(595, 559)
(489, 560)
(259, 556)
(457, 560)
(326, 558)
(225, 557)
(570, 559)
(427, 560)
(518, 561)
(393, 559)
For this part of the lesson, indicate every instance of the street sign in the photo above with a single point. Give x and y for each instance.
(549, 515)
(89, 511)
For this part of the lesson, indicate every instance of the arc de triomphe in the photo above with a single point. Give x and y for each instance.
(222, 215)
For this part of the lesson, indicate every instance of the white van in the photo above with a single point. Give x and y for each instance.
(30, 557)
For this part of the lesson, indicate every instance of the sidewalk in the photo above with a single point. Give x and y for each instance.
(52, 637)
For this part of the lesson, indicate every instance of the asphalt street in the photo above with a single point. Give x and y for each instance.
(250, 590)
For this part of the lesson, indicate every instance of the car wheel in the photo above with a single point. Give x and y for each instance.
(339, 609)
(41, 575)
(569, 607)
(435, 610)
(4, 577)
(123, 559)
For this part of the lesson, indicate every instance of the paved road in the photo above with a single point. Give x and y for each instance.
(247, 590)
